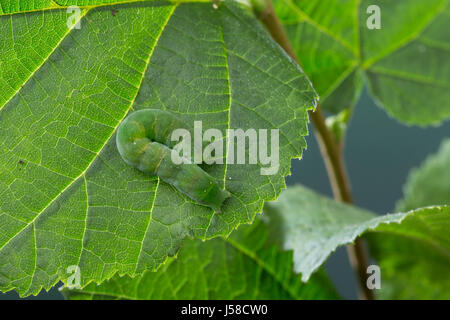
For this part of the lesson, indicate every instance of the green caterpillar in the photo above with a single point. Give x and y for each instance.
(144, 142)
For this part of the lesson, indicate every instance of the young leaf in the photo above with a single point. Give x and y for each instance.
(243, 266)
(405, 61)
(67, 197)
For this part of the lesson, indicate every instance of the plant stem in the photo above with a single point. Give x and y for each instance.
(330, 149)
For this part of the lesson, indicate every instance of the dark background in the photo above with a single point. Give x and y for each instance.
(379, 154)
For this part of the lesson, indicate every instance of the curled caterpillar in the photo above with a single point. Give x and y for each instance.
(144, 142)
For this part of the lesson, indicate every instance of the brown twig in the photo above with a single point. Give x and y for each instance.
(330, 150)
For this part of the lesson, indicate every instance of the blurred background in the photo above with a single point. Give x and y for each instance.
(379, 154)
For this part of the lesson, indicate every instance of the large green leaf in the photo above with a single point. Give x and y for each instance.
(67, 198)
(406, 62)
(244, 266)
(403, 244)
(429, 184)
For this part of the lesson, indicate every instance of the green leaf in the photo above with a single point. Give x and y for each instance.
(244, 266)
(20, 6)
(429, 184)
(405, 63)
(412, 248)
(314, 226)
(415, 256)
(67, 198)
